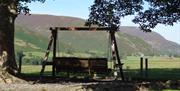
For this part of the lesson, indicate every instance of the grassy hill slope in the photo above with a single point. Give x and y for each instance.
(131, 41)
(94, 43)
(28, 40)
(97, 42)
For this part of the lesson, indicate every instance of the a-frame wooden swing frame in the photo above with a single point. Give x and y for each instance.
(53, 41)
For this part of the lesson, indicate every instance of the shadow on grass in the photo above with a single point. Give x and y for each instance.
(60, 77)
(130, 74)
(134, 86)
(154, 74)
(157, 79)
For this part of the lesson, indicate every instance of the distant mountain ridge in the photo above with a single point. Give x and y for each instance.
(155, 44)
(157, 41)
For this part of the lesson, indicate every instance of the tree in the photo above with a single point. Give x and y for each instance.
(160, 12)
(9, 9)
(109, 12)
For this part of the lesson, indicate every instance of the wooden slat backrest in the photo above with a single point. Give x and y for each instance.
(74, 63)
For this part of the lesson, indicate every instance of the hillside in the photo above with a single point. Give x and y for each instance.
(131, 40)
(28, 41)
(154, 39)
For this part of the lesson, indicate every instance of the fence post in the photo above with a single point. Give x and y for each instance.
(141, 66)
(20, 55)
(146, 67)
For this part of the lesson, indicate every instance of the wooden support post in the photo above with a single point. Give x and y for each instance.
(146, 67)
(141, 66)
(113, 53)
(54, 33)
(118, 58)
(21, 55)
(20, 64)
(114, 43)
(89, 68)
(46, 56)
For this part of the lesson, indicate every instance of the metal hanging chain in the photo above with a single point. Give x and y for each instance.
(58, 46)
(109, 47)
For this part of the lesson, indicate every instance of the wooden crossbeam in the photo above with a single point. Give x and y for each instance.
(83, 28)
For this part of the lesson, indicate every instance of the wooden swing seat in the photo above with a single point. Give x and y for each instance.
(75, 64)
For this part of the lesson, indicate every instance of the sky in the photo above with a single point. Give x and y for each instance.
(80, 8)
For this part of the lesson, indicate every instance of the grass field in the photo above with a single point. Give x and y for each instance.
(159, 68)
(154, 62)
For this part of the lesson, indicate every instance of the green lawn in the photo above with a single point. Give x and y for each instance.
(159, 68)
(35, 69)
(153, 62)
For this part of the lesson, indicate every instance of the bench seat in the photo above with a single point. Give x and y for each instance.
(74, 64)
